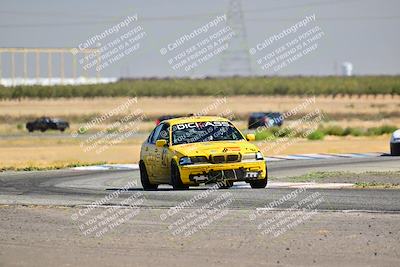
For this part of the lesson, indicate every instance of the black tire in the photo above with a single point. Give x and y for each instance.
(144, 178)
(395, 149)
(62, 129)
(176, 181)
(42, 130)
(261, 183)
(30, 130)
(225, 184)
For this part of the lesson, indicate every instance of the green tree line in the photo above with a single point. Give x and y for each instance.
(329, 86)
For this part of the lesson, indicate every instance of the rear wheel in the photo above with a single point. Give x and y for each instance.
(144, 178)
(176, 181)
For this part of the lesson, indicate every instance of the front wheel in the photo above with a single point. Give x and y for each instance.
(226, 184)
(176, 181)
(262, 183)
(144, 178)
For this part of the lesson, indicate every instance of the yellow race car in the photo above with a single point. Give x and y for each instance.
(191, 151)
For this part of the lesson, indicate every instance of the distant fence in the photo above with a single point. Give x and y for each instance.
(18, 61)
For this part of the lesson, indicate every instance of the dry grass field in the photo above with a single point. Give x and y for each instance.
(366, 111)
(52, 148)
(240, 105)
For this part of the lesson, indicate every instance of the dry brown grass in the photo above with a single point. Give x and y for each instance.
(25, 152)
(154, 106)
(342, 108)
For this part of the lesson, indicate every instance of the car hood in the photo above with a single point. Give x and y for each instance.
(217, 147)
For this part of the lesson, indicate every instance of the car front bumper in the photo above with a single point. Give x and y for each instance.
(238, 171)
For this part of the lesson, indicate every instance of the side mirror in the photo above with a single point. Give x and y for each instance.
(161, 143)
(250, 137)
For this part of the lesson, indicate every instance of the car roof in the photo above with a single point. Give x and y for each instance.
(265, 113)
(194, 119)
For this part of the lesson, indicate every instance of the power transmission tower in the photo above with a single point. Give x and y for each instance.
(235, 60)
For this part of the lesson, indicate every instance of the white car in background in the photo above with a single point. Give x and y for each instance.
(395, 143)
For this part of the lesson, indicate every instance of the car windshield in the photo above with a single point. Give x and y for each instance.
(194, 132)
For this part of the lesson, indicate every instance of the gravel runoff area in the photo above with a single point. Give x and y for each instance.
(46, 236)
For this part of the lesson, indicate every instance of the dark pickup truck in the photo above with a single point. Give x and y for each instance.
(45, 123)
(261, 119)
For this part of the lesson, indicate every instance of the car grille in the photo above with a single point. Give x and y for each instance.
(199, 159)
(218, 159)
(226, 174)
(225, 158)
(232, 158)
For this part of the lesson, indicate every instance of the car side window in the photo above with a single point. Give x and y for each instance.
(150, 136)
(156, 132)
(164, 133)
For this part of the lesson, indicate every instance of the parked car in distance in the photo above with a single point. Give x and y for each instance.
(269, 119)
(395, 143)
(45, 123)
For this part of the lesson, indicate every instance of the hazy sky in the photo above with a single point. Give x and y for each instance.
(364, 32)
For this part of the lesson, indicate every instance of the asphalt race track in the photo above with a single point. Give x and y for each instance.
(80, 187)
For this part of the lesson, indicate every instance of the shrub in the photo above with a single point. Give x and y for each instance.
(333, 130)
(384, 129)
(280, 132)
(388, 129)
(353, 131)
(263, 135)
(274, 132)
(316, 135)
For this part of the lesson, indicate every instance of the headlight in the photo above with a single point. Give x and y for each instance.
(249, 156)
(252, 156)
(259, 156)
(185, 161)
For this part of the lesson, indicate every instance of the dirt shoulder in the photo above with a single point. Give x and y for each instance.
(370, 178)
(39, 236)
